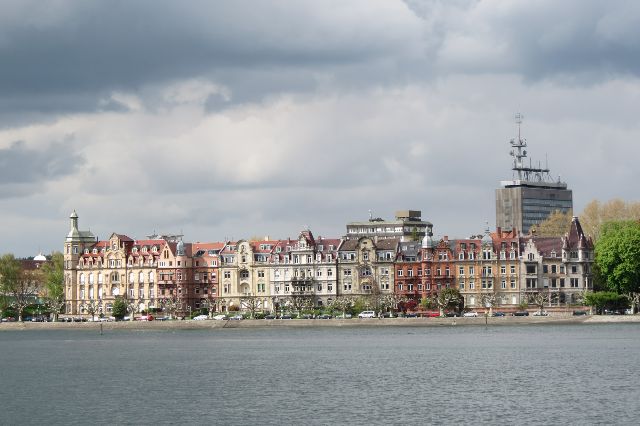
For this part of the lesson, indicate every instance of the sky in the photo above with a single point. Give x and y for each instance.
(250, 118)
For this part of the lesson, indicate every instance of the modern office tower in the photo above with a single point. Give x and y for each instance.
(532, 194)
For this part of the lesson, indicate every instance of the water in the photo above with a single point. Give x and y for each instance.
(568, 374)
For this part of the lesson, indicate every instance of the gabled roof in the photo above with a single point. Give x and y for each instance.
(575, 238)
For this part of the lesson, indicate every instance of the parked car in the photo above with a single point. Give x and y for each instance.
(450, 314)
(270, 316)
(540, 314)
(220, 317)
(628, 311)
(432, 314)
(324, 316)
(498, 314)
(345, 316)
(237, 317)
(521, 314)
(367, 314)
(145, 318)
(578, 313)
(201, 317)
(411, 315)
(286, 316)
(470, 314)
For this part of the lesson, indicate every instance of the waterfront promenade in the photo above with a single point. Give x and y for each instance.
(353, 322)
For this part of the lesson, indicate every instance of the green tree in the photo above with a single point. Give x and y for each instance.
(602, 300)
(618, 256)
(119, 309)
(18, 285)
(53, 276)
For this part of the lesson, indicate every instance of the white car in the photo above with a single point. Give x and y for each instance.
(540, 314)
(470, 314)
(220, 317)
(200, 318)
(367, 314)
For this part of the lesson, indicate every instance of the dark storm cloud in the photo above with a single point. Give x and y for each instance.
(22, 165)
(101, 46)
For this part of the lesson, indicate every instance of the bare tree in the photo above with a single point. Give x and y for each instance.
(251, 303)
(342, 303)
(132, 307)
(390, 302)
(93, 307)
(488, 300)
(447, 298)
(634, 299)
(301, 302)
(538, 298)
(170, 305)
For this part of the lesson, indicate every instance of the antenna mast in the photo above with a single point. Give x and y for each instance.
(530, 173)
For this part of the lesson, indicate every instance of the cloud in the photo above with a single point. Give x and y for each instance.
(24, 169)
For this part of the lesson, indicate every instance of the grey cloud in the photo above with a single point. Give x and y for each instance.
(21, 165)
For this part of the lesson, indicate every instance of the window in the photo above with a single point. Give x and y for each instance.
(329, 272)
(461, 285)
(513, 269)
(503, 284)
(531, 269)
(574, 282)
(461, 271)
(244, 274)
(410, 273)
(574, 269)
(472, 270)
(227, 274)
(513, 283)
(503, 270)
(261, 274)
(399, 272)
(347, 272)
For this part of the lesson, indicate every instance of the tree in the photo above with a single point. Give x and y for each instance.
(119, 309)
(300, 302)
(602, 300)
(538, 298)
(634, 300)
(53, 275)
(342, 304)
(427, 302)
(132, 307)
(489, 300)
(93, 307)
(449, 298)
(251, 303)
(19, 285)
(170, 305)
(390, 302)
(555, 225)
(618, 256)
(596, 214)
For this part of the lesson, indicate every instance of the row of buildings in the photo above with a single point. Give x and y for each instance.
(382, 258)
(375, 257)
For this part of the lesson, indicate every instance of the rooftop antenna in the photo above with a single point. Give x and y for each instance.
(370, 214)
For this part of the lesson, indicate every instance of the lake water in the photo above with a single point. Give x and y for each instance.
(565, 374)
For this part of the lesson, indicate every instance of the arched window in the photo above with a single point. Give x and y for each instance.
(81, 278)
(90, 278)
(141, 277)
(151, 277)
(130, 277)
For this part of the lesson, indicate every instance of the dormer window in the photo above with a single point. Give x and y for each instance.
(144, 249)
(94, 251)
(154, 249)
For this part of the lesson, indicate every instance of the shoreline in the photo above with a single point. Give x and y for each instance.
(296, 323)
